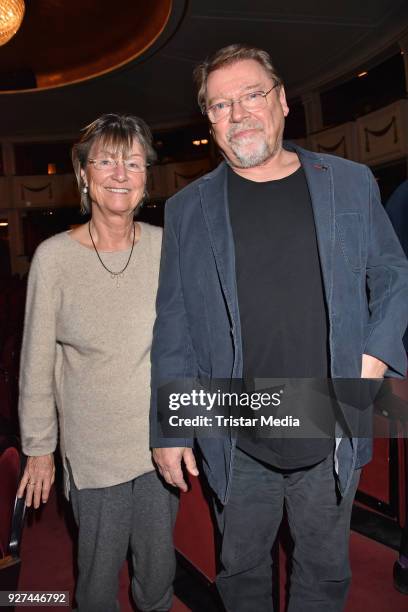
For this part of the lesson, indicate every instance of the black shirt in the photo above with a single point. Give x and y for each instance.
(281, 299)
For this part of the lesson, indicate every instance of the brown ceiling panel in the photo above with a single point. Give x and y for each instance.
(66, 41)
(314, 44)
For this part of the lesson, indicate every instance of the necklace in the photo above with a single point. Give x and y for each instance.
(115, 275)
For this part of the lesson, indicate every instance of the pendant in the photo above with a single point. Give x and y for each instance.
(117, 277)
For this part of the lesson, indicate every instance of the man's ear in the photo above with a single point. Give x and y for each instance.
(282, 100)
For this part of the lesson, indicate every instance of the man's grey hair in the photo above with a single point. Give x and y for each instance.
(117, 132)
(226, 56)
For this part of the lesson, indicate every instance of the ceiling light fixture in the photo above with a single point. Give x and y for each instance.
(362, 74)
(11, 16)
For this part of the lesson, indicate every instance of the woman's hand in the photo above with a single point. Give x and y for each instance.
(38, 477)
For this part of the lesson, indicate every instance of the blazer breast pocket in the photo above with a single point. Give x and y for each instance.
(349, 227)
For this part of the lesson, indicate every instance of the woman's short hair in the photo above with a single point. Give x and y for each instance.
(118, 132)
(224, 57)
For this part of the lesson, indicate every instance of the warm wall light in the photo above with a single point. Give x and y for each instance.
(196, 143)
(3, 223)
(11, 16)
(361, 74)
(52, 169)
(204, 141)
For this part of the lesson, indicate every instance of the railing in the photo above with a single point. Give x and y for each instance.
(43, 191)
(340, 140)
(383, 134)
(58, 190)
(376, 138)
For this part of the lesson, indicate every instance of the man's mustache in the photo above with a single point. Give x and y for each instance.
(243, 126)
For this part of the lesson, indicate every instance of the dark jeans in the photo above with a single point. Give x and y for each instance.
(319, 524)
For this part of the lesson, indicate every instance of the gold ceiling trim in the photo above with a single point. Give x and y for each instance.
(124, 55)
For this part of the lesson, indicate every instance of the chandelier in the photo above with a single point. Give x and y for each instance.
(11, 16)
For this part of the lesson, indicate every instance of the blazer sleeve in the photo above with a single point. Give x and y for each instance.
(37, 410)
(387, 284)
(397, 210)
(172, 357)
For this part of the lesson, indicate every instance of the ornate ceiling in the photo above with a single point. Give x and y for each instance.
(143, 53)
(62, 42)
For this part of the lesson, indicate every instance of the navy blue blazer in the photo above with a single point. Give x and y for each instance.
(365, 275)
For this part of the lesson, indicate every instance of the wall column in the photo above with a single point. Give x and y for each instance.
(313, 111)
(9, 164)
(403, 44)
(19, 263)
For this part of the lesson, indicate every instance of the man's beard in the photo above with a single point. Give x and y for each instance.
(260, 151)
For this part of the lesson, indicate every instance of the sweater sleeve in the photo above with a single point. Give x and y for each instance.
(37, 411)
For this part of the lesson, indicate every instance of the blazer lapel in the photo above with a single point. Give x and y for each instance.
(214, 202)
(320, 182)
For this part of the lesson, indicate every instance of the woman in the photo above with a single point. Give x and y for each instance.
(89, 318)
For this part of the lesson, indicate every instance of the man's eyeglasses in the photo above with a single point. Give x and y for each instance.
(251, 101)
(110, 164)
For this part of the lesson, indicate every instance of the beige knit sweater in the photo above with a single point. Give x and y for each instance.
(86, 352)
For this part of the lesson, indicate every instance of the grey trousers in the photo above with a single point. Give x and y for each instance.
(319, 525)
(140, 513)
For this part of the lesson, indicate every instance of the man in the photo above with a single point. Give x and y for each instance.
(265, 267)
(397, 209)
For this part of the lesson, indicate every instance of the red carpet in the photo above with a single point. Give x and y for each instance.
(371, 588)
(47, 563)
